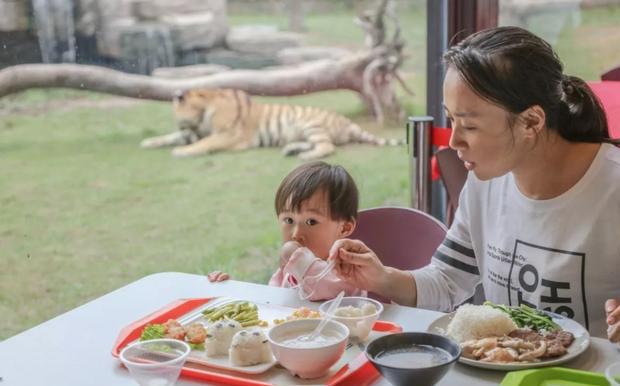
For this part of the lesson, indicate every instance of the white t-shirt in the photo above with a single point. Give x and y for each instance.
(561, 255)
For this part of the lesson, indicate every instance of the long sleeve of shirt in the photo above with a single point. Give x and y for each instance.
(452, 276)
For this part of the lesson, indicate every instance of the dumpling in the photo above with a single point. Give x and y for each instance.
(219, 336)
(250, 348)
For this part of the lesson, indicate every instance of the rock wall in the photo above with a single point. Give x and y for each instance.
(146, 34)
(13, 15)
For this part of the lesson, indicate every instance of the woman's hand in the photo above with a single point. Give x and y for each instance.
(357, 264)
(217, 276)
(612, 310)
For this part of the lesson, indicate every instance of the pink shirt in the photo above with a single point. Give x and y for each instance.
(302, 267)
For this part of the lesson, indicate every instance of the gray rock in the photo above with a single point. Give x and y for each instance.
(264, 40)
(188, 7)
(202, 30)
(147, 46)
(554, 14)
(144, 10)
(296, 55)
(235, 59)
(116, 17)
(109, 39)
(13, 15)
(188, 58)
(189, 71)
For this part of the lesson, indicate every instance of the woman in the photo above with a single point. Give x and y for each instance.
(539, 217)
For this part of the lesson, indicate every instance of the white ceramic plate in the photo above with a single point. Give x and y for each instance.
(222, 362)
(579, 345)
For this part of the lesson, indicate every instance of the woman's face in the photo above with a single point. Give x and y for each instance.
(480, 131)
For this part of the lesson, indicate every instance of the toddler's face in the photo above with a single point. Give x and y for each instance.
(312, 226)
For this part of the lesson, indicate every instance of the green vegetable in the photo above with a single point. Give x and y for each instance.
(525, 316)
(197, 346)
(250, 323)
(153, 331)
(245, 313)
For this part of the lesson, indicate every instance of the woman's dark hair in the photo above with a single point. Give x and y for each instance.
(513, 68)
(309, 178)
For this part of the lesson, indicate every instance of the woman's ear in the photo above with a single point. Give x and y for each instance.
(347, 228)
(533, 120)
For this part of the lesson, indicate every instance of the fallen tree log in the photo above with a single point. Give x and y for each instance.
(323, 75)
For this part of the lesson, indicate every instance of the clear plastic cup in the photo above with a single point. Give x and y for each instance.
(613, 374)
(156, 362)
(359, 326)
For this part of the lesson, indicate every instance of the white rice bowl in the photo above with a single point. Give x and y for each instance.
(477, 322)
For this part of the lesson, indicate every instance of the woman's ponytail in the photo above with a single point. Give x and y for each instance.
(581, 115)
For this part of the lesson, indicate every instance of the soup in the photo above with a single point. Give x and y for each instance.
(299, 339)
(413, 357)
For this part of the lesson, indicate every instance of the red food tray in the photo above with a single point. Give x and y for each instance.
(357, 372)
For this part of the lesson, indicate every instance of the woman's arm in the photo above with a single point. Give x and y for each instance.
(400, 287)
(359, 266)
(445, 283)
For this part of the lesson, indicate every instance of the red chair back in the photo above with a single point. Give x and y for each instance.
(612, 74)
(608, 93)
(403, 238)
(453, 175)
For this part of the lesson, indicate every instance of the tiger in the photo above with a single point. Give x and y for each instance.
(210, 120)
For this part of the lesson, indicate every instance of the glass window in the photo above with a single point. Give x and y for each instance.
(86, 210)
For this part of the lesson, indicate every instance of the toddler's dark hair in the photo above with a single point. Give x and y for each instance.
(309, 178)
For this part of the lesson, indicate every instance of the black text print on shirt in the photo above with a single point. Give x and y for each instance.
(549, 279)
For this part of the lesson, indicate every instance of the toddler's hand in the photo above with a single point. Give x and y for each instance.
(612, 310)
(217, 276)
(287, 251)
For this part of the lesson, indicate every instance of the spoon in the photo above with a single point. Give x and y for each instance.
(327, 318)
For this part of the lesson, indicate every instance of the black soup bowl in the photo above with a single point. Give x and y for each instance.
(413, 358)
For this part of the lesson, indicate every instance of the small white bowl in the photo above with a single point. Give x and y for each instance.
(359, 326)
(307, 362)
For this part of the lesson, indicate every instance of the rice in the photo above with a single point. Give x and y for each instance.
(249, 348)
(477, 322)
(219, 336)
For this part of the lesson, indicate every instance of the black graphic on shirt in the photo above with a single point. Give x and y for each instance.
(549, 279)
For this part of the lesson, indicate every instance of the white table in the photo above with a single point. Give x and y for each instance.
(74, 349)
